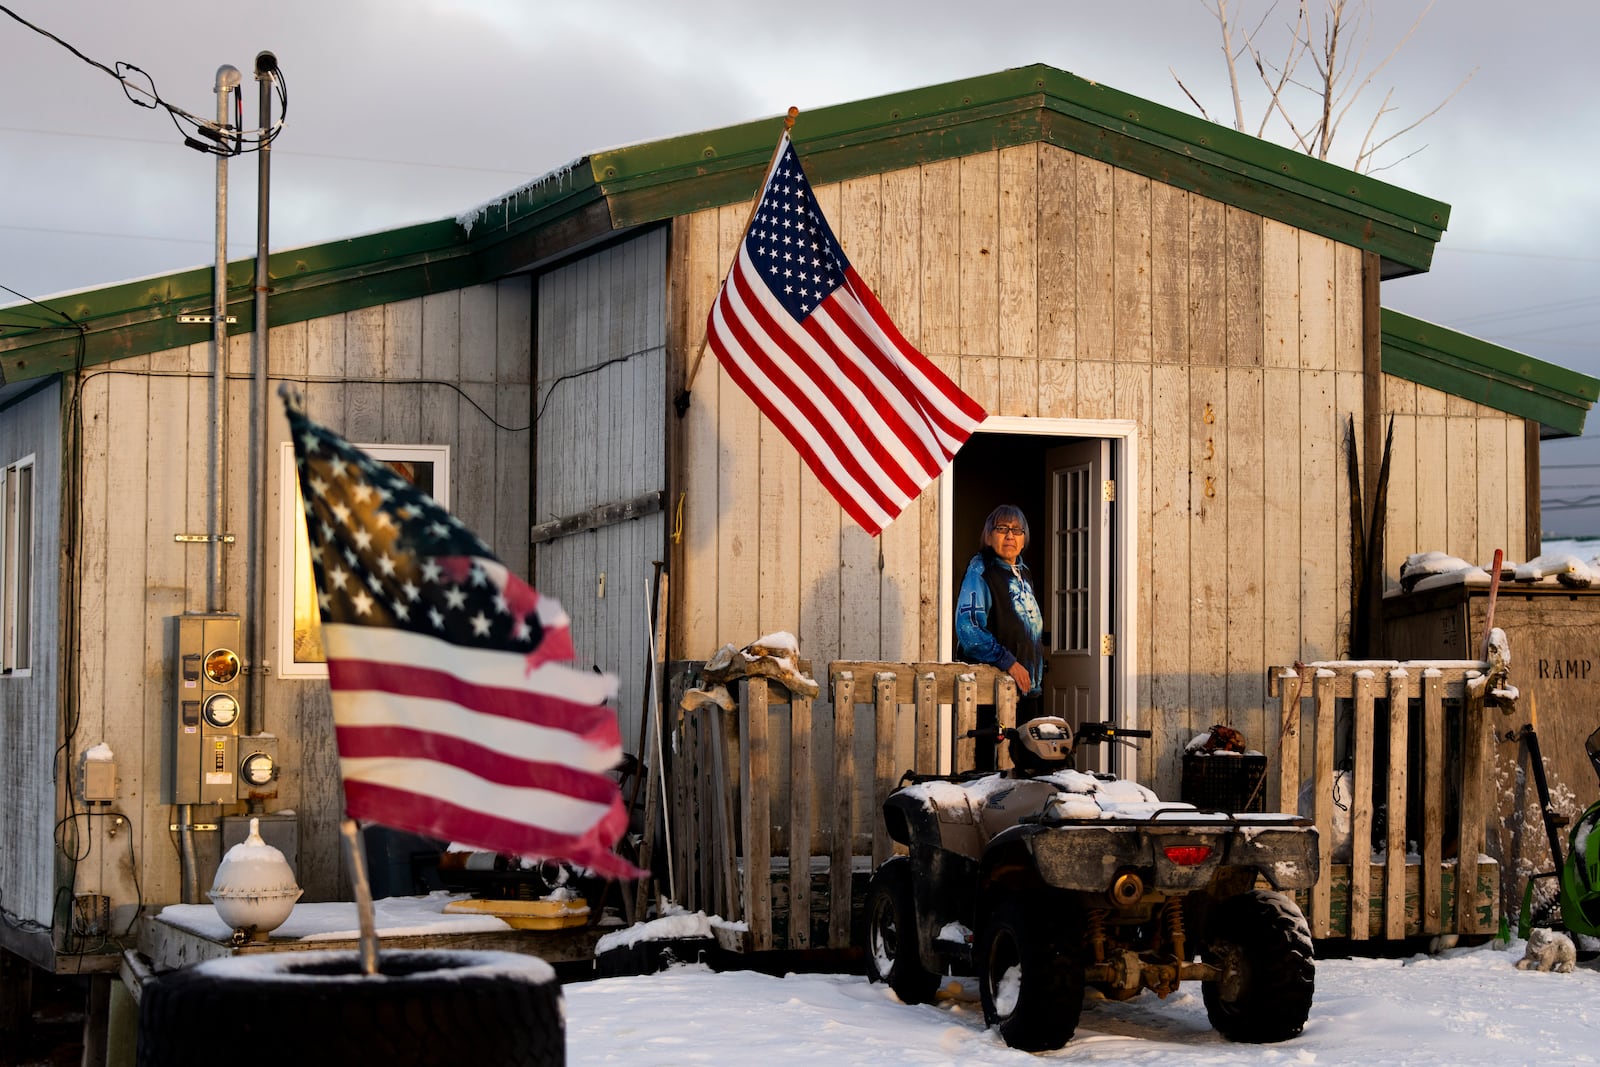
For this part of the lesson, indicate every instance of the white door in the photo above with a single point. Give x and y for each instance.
(1077, 585)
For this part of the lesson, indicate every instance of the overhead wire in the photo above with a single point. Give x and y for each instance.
(226, 140)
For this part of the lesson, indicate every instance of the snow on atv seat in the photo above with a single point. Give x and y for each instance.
(1082, 795)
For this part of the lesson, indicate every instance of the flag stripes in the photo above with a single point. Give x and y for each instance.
(799, 331)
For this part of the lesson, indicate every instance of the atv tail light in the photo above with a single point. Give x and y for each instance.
(1188, 855)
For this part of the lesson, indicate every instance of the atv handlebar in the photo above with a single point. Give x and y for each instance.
(1088, 733)
(1093, 733)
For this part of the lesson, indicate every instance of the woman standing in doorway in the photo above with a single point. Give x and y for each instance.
(998, 621)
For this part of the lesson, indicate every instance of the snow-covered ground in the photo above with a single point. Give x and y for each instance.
(1464, 1006)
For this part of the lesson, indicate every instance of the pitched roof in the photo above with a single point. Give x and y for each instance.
(1423, 352)
(612, 191)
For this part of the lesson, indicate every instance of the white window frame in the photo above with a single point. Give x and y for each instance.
(296, 599)
(17, 566)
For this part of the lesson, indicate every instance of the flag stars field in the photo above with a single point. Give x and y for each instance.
(460, 718)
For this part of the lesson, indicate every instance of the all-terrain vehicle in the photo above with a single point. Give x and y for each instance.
(1044, 881)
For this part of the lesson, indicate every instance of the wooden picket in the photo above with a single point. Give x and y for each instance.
(776, 894)
(793, 873)
(1424, 896)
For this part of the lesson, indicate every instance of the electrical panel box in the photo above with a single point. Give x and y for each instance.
(208, 707)
(258, 767)
(99, 782)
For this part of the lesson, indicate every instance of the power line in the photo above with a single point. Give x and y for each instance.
(279, 153)
(115, 236)
(224, 139)
(1518, 255)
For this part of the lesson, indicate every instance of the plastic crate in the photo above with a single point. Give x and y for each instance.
(1225, 782)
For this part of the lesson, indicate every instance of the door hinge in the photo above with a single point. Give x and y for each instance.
(1108, 490)
(1108, 644)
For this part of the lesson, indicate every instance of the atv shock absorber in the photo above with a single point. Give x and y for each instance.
(1097, 933)
(1172, 919)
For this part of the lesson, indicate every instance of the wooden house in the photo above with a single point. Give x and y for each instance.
(1175, 329)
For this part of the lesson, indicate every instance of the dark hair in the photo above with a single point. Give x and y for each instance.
(1001, 514)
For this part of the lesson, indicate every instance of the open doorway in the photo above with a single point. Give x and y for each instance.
(1066, 476)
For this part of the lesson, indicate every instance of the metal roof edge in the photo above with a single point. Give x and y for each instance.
(1489, 374)
(876, 131)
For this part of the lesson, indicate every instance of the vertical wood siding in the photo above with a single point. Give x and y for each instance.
(379, 375)
(601, 434)
(1456, 478)
(28, 703)
(1056, 286)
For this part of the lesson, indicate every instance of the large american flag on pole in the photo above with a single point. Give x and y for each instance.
(805, 338)
(456, 713)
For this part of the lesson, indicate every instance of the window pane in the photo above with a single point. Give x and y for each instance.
(24, 556)
(8, 570)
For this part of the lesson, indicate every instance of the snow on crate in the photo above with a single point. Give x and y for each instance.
(1432, 570)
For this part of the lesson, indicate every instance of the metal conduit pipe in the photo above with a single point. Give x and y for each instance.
(255, 610)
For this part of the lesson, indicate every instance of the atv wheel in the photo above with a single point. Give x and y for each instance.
(1263, 944)
(892, 956)
(1030, 974)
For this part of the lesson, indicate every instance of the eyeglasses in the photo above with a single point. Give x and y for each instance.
(1008, 531)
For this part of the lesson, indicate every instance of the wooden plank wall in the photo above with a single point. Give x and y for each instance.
(1457, 480)
(452, 369)
(28, 703)
(1055, 286)
(601, 431)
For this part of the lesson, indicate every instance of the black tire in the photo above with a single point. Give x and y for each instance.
(892, 954)
(1030, 972)
(1263, 941)
(312, 1009)
(649, 957)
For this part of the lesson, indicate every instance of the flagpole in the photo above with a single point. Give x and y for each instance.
(358, 876)
(682, 403)
(661, 767)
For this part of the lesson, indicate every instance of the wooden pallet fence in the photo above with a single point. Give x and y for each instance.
(791, 874)
(1393, 719)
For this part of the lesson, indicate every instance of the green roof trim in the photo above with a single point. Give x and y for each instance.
(1496, 377)
(1028, 104)
(600, 195)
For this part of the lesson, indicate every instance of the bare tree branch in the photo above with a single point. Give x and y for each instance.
(1198, 106)
(1339, 58)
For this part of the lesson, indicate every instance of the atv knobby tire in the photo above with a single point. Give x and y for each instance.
(1262, 940)
(309, 1009)
(1030, 973)
(892, 954)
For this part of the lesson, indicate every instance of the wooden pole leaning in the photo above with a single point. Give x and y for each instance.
(363, 890)
(700, 351)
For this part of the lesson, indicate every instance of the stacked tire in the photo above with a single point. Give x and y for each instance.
(308, 1009)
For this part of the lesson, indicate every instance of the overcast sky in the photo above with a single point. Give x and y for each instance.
(406, 111)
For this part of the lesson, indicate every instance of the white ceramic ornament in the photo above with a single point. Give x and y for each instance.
(254, 890)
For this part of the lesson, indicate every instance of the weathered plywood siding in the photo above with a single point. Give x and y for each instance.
(449, 369)
(600, 411)
(28, 702)
(1457, 481)
(1056, 286)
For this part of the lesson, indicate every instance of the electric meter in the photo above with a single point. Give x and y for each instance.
(258, 768)
(221, 710)
(222, 665)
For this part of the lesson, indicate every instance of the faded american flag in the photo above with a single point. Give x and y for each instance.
(806, 339)
(456, 713)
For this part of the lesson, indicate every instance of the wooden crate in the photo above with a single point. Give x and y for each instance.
(1554, 636)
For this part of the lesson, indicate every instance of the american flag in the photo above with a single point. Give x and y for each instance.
(805, 338)
(455, 712)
